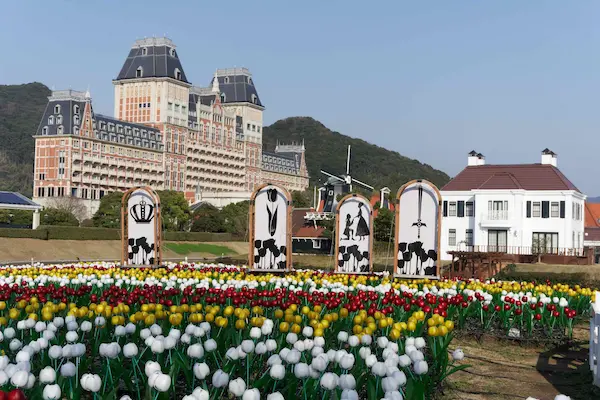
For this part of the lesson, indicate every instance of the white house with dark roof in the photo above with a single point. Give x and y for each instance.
(517, 209)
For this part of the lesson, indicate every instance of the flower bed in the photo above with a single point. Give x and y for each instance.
(200, 331)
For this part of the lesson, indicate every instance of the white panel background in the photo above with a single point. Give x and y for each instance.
(406, 232)
(136, 230)
(350, 207)
(261, 222)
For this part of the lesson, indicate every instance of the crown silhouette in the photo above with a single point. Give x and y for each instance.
(142, 212)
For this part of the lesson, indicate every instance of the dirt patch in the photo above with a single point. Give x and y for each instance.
(502, 370)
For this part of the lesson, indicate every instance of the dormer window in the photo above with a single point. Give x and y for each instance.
(51, 120)
(172, 52)
(60, 130)
(144, 51)
(222, 97)
(139, 72)
(76, 130)
(254, 99)
(76, 119)
(177, 74)
(45, 130)
(226, 80)
(59, 119)
(75, 109)
(250, 80)
(57, 109)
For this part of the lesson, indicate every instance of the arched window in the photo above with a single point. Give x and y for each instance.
(76, 119)
(222, 97)
(59, 119)
(75, 109)
(172, 52)
(226, 80)
(254, 99)
(45, 130)
(76, 131)
(139, 72)
(57, 109)
(51, 120)
(177, 74)
(144, 51)
(60, 130)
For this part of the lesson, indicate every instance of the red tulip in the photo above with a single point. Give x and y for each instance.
(538, 317)
(16, 394)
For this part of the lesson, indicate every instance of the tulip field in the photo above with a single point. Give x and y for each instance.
(199, 331)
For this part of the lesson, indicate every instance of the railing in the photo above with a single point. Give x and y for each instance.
(519, 250)
(595, 340)
(496, 215)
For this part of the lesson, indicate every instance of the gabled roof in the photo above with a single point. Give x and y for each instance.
(156, 57)
(300, 229)
(510, 176)
(592, 215)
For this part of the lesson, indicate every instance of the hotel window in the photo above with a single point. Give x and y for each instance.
(59, 130)
(144, 51)
(76, 119)
(51, 120)
(452, 210)
(59, 119)
(57, 109)
(76, 130)
(45, 130)
(554, 209)
(177, 74)
(75, 109)
(41, 192)
(169, 106)
(139, 72)
(452, 237)
(536, 209)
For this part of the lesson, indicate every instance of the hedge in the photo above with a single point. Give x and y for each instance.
(82, 233)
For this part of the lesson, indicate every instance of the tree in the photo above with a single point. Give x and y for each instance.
(300, 199)
(16, 217)
(207, 218)
(174, 210)
(57, 216)
(109, 212)
(71, 205)
(235, 218)
(382, 230)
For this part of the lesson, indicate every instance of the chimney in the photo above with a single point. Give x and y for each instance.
(548, 157)
(475, 158)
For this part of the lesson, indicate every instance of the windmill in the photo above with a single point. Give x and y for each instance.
(335, 186)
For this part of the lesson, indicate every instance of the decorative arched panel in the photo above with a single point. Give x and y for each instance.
(141, 231)
(354, 235)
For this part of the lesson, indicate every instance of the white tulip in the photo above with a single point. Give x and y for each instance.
(91, 382)
(129, 328)
(277, 371)
(4, 361)
(232, 353)
(130, 350)
(271, 345)
(342, 336)
(126, 397)
(86, 326)
(458, 354)
(404, 360)
(410, 341)
(247, 346)
(261, 348)
(370, 360)
(201, 370)
(151, 367)
(220, 379)
(366, 340)
(379, 369)
(389, 384)
(15, 345)
(320, 362)
(22, 356)
(382, 342)
(72, 336)
(68, 369)
(349, 395)
(421, 367)
(273, 360)
(158, 346)
(156, 330)
(51, 392)
(347, 361)
(200, 394)
(9, 333)
(400, 377)
(120, 331)
(301, 370)
(145, 333)
(30, 381)
(185, 338)
(3, 378)
(251, 394)
(394, 395)
(47, 375)
(420, 343)
(329, 381)
(162, 383)
(255, 333)
(19, 379)
(275, 396)
(353, 341)
(40, 326)
(210, 345)
(347, 382)
(562, 397)
(291, 338)
(320, 341)
(364, 352)
(307, 331)
(237, 387)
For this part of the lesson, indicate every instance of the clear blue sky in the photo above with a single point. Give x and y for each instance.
(429, 79)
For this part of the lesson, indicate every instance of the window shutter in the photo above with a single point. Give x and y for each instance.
(528, 209)
(461, 209)
(545, 209)
(562, 209)
(445, 208)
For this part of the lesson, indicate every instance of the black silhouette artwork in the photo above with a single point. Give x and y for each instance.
(413, 257)
(268, 253)
(354, 245)
(140, 251)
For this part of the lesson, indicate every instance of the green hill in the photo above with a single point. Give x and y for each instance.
(327, 150)
(21, 107)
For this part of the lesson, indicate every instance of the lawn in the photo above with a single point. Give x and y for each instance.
(206, 248)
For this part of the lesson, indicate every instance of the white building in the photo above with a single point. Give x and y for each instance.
(517, 209)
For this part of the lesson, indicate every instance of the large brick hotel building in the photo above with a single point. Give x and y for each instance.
(165, 133)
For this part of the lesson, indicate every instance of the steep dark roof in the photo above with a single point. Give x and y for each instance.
(517, 176)
(156, 56)
(281, 162)
(238, 86)
(16, 200)
(114, 130)
(68, 103)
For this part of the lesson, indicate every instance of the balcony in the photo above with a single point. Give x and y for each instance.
(495, 219)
